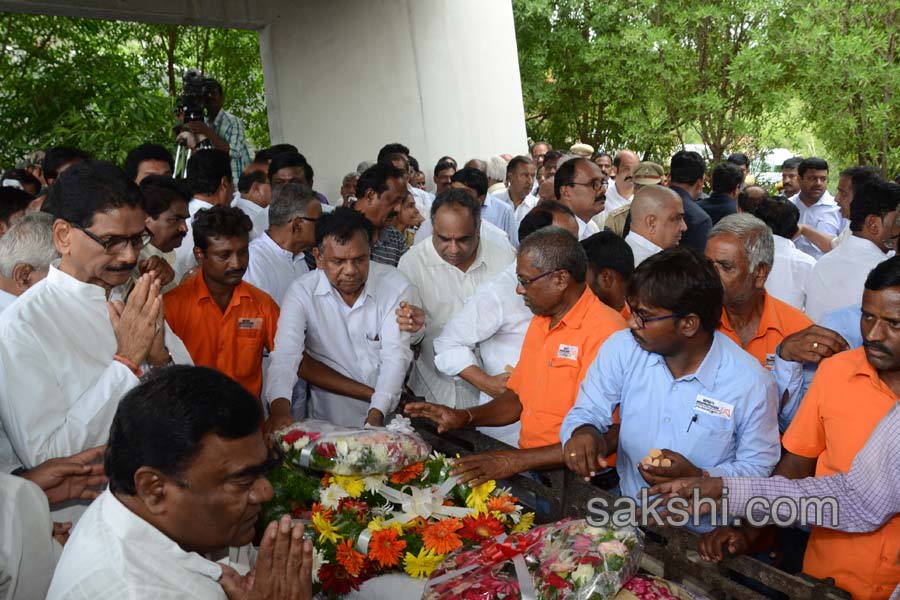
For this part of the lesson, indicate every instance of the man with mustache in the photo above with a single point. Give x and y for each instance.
(850, 394)
(166, 204)
(67, 355)
(224, 321)
(820, 215)
(581, 185)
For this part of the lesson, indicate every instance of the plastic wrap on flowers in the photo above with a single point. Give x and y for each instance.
(347, 451)
(567, 559)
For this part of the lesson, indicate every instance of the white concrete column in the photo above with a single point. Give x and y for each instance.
(345, 77)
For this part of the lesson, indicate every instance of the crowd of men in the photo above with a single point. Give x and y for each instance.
(583, 308)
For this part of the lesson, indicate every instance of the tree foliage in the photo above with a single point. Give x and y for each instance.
(108, 86)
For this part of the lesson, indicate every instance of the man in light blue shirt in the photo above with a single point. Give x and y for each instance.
(680, 386)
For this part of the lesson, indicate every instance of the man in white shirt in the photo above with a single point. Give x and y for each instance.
(580, 184)
(445, 271)
(496, 173)
(494, 320)
(791, 268)
(277, 256)
(338, 326)
(657, 222)
(209, 180)
(398, 155)
(254, 197)
(166, 204)
(26, 252)
(849, 181)
(820, 216)
(520, 173)
(620, 190)
(187, 466)
(838, 279)
(66, 354)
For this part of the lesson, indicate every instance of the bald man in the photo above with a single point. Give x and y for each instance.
(620, 191)
(657, 222)
(545, 191)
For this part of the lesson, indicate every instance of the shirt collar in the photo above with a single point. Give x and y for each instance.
(782, 243)
(860, 245)
(826, 199)
(68, 283)
(197, 204)
(274, 247)
(862, 368)
(201, 290)
(769, 318)
(246, 205)
(324, 287)
(709, 367)
(433, 259)
(641, 241)
(575, 315)
(133, 530)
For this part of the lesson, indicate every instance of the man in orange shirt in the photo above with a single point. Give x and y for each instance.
(850, 393)
(224, 322)
(742, 249)
(569, 326)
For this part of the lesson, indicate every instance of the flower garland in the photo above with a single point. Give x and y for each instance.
(408, 521)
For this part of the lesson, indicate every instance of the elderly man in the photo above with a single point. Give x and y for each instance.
(494, 320)
(67, 355)
(820, 216)
(569, 327)
(838, 278)
(580, 185)
(225, 322)
(679, 385)
(379, 191)
(210, 183)
(620, 190)
(742, 249)
(337, 325)
(26, 252)
(277, 256)
(828, 432)
(187, 467)
(445, 271)
(657, 222)
(619, 220)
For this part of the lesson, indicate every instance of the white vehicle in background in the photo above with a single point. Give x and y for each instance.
(766, 166)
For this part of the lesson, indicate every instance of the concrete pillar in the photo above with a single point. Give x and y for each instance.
(441, 76)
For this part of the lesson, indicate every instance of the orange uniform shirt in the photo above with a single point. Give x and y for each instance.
(552, 364)
(778, 320)
(845, 402)
(231, 342)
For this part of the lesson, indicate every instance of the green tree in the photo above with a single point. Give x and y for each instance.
(851, 83)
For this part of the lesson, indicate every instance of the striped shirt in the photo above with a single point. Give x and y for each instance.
(229, 127)
(389, 247)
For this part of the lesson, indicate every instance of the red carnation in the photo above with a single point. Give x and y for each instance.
(336, 580)
(293, 436)
(327, 450)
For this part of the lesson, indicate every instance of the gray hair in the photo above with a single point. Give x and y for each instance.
(28, 241)
(496, 168)
(756, 236)
(289, 200)
(553, 248)
(348, 176)
(363, 166)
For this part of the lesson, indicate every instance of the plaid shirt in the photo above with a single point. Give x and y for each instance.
(229, 127)
(867, 495)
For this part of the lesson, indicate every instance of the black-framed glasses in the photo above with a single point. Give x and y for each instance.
(597, 184)
(117, 243)
(642, 321)
(527, 282)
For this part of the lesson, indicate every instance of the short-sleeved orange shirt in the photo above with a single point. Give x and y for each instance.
(778, 320)
(845, 402)
(552, 364)
(231, 342)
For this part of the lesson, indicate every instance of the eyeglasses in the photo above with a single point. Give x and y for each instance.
(527, 282)
(597, 184)
(115, 244)
(641, 321)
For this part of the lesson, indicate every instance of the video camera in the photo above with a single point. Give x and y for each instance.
(193, 92)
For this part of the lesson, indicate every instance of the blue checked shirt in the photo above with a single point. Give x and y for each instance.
(229, 127)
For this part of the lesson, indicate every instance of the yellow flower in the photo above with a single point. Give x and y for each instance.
(354, 486)
(479, 495)
(378, 524)
(422, 565)
(325, 528)
(524, 524)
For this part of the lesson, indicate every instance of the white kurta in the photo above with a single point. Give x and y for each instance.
(59, 384)
(790, 273)
(258, 215)
(641, 247)
(114, 554)
(272, 268)
(6, 299)
(443, 289)
(362, 342)
(493, 322)
(28, 552)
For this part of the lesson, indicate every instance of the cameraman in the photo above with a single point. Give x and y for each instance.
(222, 128)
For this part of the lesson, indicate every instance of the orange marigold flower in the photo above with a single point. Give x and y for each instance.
(350, 559)
(480, 528)
(416, 525)
(327, 513)
(441, 536)
(408, 473)
(386, 547)
(326, 480)
(502, 504)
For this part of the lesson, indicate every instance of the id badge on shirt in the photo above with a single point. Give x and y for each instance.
(715, 408)
(770, 361)
(249, 323)
(566, 351)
